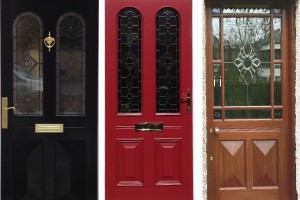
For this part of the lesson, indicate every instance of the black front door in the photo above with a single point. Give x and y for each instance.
(49, 99)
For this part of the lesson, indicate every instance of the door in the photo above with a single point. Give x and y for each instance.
(249, 103)
(148, 100)
(49, 99)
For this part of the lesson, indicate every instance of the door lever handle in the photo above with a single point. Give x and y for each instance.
(187, 100)
(9, 108)
(4, 110)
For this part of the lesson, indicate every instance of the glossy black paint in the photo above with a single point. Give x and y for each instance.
(50, 166)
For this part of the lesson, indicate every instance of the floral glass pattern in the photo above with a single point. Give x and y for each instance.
(129, 61)
(247, 63)
(28, 64)
(167, 61)
(70, 65)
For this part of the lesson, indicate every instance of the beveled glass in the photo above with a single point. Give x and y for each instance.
(28, 64)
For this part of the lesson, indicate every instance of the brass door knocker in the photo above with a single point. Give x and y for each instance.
(49, 41)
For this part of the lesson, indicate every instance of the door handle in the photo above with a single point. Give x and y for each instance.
(216, 131)
(4, 110)
(187, 100)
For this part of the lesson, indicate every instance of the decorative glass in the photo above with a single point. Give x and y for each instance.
(216, 38)
(277, 11)
(129, 61)
(167, 61)
(28, 64)
(70, 65)
(217, 114)
(216, 11)
(278, 114)
(247, 61)
(246, 10)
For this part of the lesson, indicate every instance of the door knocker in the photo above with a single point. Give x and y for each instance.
(49, 41)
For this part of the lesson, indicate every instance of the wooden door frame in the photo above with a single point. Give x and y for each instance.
(289, 6)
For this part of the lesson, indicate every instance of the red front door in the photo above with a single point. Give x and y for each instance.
(148, 100)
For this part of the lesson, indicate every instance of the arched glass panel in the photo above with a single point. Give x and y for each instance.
(28, 64)
(167, 61)
(70, 65)
(129, 61)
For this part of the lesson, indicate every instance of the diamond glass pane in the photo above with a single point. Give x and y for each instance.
(167, 61)
(129, 61)
(70, 65)
(28, 64)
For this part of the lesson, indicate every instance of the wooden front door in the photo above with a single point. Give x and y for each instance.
(250, 101)
(49, 99)
(148, 100)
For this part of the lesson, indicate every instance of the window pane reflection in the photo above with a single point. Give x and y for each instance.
(247, 61)
(28, 65)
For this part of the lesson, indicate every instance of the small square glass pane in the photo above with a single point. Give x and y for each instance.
(216, 11)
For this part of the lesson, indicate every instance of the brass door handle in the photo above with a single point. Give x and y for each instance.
(9, 108)
(216, 131)
(4, 110)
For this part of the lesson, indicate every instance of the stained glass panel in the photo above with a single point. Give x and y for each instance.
(28, 64)
(129, 61)
(70, 65)
(246, 10)
(167, 61)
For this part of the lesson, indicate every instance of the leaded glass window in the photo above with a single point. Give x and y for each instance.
(167, 61)
(28, 64)
(129, 61)
(70, 65)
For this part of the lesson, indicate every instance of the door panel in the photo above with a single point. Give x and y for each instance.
(148, 98)
(49, 86)
(248, 117)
